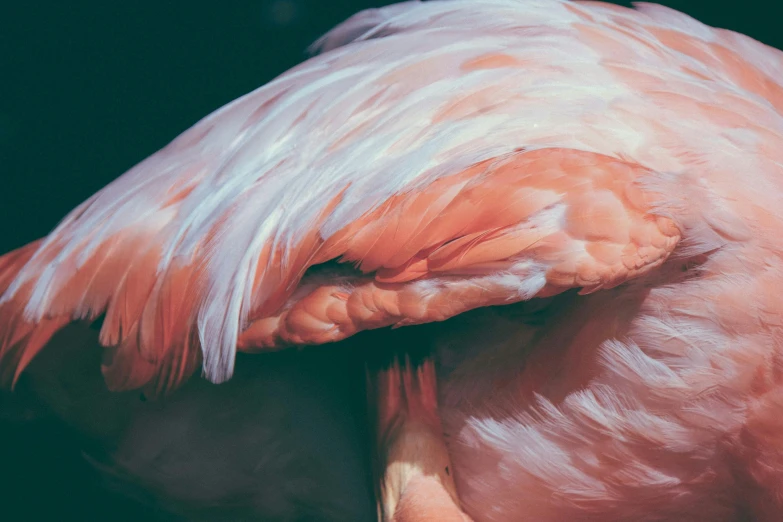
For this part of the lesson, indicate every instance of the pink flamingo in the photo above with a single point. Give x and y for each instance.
(453, 156)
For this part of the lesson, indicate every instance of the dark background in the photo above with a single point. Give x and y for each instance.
(89, 88)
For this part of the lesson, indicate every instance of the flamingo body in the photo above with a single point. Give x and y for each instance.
(455, 155)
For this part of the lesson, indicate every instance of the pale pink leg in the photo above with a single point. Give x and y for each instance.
(414, 474)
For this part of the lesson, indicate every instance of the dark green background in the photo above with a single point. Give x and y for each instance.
(89, 88)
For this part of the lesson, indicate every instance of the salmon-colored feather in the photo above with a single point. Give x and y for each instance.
(20, 339)
(123, 366)
(12, 262)
(134, 287)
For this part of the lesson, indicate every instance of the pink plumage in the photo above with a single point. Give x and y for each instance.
(622, 167)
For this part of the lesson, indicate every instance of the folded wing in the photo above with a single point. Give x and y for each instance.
(452, 154)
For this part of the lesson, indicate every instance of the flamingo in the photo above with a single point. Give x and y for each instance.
(572, 206)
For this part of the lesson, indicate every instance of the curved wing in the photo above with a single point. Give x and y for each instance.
(469, 153)
(528, 224)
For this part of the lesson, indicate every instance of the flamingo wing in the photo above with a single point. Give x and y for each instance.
(457, 154)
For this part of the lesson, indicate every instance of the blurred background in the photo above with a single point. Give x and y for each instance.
(88, 89)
